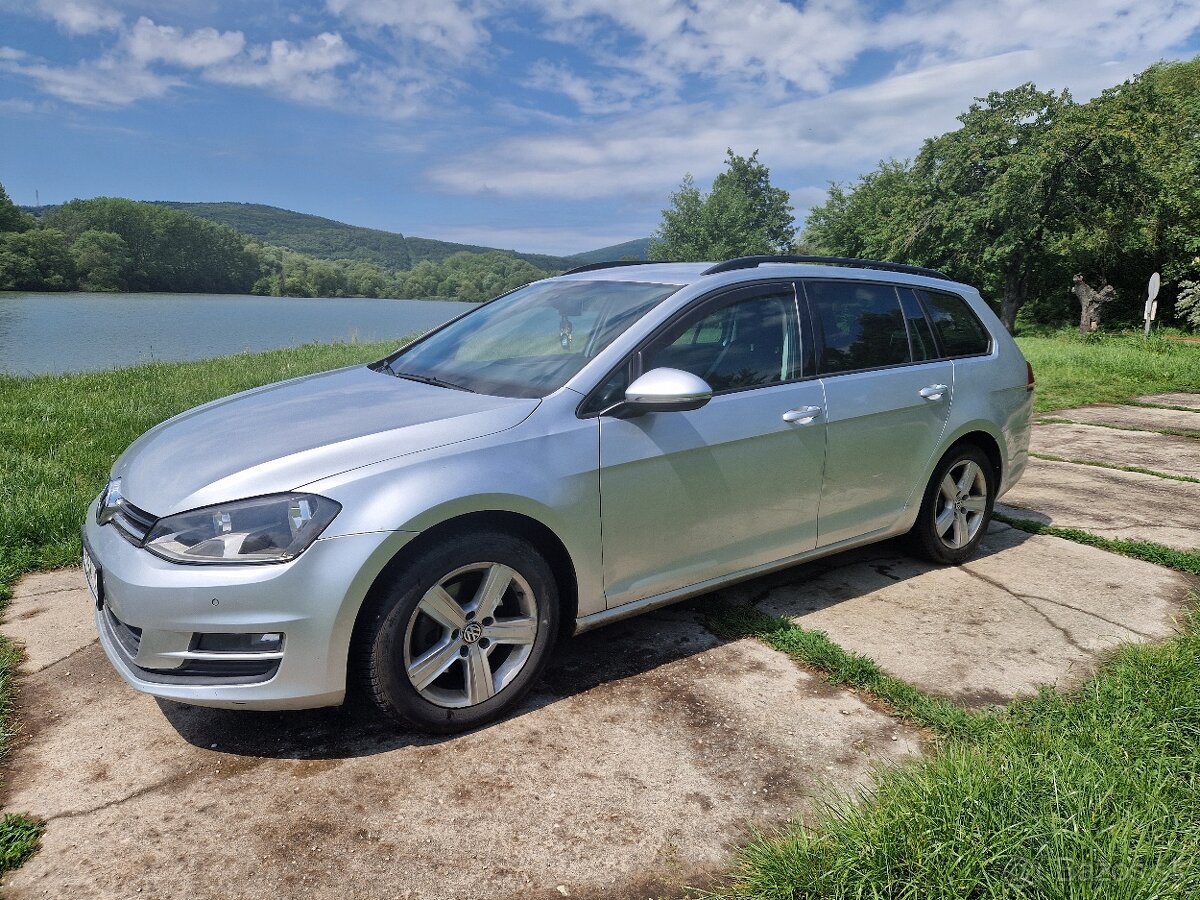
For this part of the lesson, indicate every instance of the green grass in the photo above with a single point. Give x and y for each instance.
(1091, 795)
(1187, 561)
(1107, 368)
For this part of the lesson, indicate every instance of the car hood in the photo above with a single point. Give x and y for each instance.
(282, 436)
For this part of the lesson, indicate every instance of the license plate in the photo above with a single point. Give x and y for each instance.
(95, 578)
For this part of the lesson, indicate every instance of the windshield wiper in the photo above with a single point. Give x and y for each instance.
(425, 379)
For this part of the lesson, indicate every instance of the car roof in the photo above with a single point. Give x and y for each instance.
(694, 273)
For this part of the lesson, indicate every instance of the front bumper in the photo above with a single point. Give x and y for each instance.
(153, 610)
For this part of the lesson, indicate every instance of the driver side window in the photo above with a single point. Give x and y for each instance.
(749, 342)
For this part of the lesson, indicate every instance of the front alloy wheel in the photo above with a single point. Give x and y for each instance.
(471, 635)
(453, 636)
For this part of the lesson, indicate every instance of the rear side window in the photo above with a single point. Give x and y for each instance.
(861, 326)
(923, 345)
(960, 332)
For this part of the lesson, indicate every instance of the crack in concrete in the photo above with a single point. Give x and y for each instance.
(1026, 601)
(52, 592)
(73, 653)
(1026, 598)
(117, 801)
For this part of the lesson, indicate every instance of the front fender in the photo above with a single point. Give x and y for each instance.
(548, 475)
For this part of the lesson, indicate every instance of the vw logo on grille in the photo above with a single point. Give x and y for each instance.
(472, 632)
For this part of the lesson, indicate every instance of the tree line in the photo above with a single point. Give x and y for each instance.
(1034, 198)
(114, 244)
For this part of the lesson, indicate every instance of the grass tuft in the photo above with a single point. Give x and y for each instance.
(1140, 470)
(19, 837)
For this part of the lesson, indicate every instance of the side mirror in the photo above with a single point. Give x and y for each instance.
(666, 390)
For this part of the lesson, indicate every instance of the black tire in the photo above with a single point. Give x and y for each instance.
(924, 539)
(394, 617)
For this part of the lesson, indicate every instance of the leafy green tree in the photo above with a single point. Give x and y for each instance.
(743, 214)
(467, 276)
(169, 250)
(11, 217)
(35, 260)
(991, 195)
(366, 280)
(102, 261)
(1187, 303)
(1034, 188)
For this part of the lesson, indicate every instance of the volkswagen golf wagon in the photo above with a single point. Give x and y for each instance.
(422, 530)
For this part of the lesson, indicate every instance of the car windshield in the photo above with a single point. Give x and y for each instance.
(530, 342)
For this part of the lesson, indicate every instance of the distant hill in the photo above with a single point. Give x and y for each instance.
(330, 239)
(636, 249)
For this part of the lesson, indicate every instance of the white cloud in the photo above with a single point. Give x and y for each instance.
(105, 82)
(449, 26)
(777, 44)
(618, 93)
(301, 71)
(148, 43)
(80, 16)
(1097, 30)
(845, 131)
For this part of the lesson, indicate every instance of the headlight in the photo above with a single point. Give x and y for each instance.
(262, 530)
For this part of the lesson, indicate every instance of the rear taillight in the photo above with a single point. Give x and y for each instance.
(1028, 376)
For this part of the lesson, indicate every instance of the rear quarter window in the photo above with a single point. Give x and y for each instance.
(958, 328)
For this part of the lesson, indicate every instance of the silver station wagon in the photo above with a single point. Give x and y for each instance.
(591, 446)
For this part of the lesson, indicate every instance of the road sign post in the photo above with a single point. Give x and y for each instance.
(1151, 311)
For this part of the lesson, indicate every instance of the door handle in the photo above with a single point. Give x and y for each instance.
(933, 392)
(802, 415)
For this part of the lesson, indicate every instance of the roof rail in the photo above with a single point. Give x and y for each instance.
(592, 267)
(751, 262)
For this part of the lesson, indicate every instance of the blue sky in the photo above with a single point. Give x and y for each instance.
(543, 126)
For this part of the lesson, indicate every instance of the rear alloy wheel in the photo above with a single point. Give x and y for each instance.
(462, 634)
(956, 508)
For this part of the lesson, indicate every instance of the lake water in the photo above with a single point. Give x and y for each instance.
(47, 333)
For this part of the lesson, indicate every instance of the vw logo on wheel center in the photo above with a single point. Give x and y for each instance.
(472, 632)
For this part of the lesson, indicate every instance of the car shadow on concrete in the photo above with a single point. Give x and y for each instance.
(622, 650)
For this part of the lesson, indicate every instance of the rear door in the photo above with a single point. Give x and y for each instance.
(690, 496)
(888, 399)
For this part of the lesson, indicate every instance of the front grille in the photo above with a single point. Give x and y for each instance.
(127, 636)
(132, 523)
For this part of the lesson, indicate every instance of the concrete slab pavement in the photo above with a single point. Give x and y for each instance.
(1191, 401)
(1030, 610)
(1108, 502)
(636, 769)
(1142, 417)
(1092, 443)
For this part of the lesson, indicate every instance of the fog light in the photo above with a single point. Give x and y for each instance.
(270, 642)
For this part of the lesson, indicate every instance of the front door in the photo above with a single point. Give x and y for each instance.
(690, 496)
